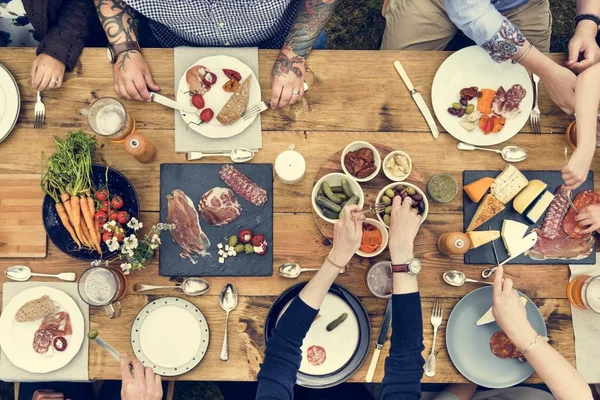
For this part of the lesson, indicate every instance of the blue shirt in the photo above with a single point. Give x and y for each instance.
(482, 21)
(218, 23)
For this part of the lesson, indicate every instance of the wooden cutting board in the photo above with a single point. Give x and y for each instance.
(21, 229)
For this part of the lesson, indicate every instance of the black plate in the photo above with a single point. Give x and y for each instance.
(117, 184)
(364, 339)
(484, 254)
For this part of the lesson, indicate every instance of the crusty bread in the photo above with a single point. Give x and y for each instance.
(35, 309)
(236, 105)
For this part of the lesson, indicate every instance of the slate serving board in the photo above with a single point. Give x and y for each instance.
(484, 254)
(195, 180)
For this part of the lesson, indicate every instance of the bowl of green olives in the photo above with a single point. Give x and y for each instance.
(402, 189)
(333, 192)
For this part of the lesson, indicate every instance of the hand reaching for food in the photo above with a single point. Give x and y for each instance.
(139, 382)
(287, 79)
(47, 72)
(404, 226)
(347, 235)
(47, 395)
(583, 43)
(589, 217)
(132, 77)
(576, 171)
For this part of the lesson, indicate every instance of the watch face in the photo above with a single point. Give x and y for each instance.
(414, 266)
(110, 56)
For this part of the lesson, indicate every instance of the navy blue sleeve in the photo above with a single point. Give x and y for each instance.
(283, 356)
(404, 365)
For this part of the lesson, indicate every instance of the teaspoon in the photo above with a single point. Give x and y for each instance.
(228, 301)
(457, 278)
(22, 273)
(189, 286)
(293, 270)
(509, 153)
(239, 155)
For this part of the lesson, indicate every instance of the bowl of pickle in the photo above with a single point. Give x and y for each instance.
(403, 190)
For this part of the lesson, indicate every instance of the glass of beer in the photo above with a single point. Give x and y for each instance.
(378, 280)
(103, 287)
(584, 292)
(108, 118)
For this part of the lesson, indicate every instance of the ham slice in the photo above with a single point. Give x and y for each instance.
(219, 206)
(562, 247)
(187, 233)
(194, 77)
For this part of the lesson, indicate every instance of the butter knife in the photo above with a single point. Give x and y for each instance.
(418, 99)
(165, 101)
(526, 244)
(387, 321)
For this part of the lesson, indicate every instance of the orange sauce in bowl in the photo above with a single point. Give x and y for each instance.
(371, 239)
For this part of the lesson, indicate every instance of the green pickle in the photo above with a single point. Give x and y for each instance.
(336, 322)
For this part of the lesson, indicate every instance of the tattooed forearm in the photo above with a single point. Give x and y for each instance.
(310, 19)
(116, 20)
(284, 64)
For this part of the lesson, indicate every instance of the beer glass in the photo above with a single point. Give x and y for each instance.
(108, 118)
(584, 292)
(103, 287)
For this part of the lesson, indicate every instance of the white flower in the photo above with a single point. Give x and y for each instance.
(135, 224)
(96, 263)
(126, 267)
(131, 242)
(106, 226)
(112, 244)
(126, 251)
(155, 241)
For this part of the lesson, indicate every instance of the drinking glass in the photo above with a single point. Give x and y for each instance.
(110, 119)
(584, 292)
(103, 287)
(378, 280)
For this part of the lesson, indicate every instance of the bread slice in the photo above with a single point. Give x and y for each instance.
(237, 104)
(35, 309)
(488, 209)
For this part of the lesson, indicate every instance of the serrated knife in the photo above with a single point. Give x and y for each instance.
(418, 99)
(387, 321)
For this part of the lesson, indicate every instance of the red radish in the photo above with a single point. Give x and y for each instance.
(198, 101)
(206, 115)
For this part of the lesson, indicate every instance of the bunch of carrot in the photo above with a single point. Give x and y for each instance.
(68, 180)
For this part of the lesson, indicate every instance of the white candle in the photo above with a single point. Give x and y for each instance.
(290, 166)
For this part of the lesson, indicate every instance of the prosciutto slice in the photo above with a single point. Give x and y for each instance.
(194, 77)
(562, 247)
(53, 325)
(187, 233)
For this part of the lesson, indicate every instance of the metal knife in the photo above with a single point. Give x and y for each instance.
(525, 244)
(165, 101)
(418, 99)
(387, 321)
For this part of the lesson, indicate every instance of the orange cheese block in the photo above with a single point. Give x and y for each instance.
(476, 190)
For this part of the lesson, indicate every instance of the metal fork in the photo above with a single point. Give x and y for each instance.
(534, 117)
(436, 320)
(374, 209)
(254, 110)
(39, 112)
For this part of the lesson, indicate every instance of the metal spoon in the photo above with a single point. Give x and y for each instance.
(293, 270)
(457, 278)
(509, 153)
(228, 301)
(189, 286)
(93, 335)
(22, 273)
(239, 155)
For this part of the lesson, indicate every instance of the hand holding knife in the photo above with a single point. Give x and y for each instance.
(526, 243)
(385, 326)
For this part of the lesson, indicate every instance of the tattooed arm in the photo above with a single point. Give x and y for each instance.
(131, 73)
(287, 76)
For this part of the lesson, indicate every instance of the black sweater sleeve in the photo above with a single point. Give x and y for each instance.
(404, 366)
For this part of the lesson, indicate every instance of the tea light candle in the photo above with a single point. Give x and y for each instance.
(290, 166)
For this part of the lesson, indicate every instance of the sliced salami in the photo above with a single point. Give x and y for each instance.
(42, 339)
(502, 347)
(582, 200)
(316, 355)
(243, 185)
(552, 225)
(506, 103)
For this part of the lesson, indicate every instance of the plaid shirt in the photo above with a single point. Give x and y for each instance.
(218, 23)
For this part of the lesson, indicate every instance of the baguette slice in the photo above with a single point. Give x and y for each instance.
(489, 207)
(235, 107)
(35, 309)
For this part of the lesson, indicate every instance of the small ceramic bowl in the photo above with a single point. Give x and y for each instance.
(357, 146)
(571, 135)
(389, 173)
(393, 186)
(335, 179)
(384, 236)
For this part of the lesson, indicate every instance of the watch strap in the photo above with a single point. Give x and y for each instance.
(399, 268)
(120, 48)
(590, 17)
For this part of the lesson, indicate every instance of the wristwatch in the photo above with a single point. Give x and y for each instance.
(113, 52)
(591, 17)
(411, 267)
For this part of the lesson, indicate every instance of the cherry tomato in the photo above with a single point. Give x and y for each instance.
(113, 216)
(106, 236)
(207, 114)
(104, 206)
(101, 217)
(257, 240)
(123, 217)
(102, 194)
(209, 79)
(117, 202)
(60, 343)
(198, 101)
(120, 235)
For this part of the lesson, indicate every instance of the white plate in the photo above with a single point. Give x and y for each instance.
(170, 335)
(17, 338)
(472, 66)
(10, 102)
(216, 97)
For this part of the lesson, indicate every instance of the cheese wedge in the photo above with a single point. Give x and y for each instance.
(528, 195)
(512, 233)
(540, 207)
(477, 189)
(479, 238)
(488, 317)
(488, 208)
(508, 184)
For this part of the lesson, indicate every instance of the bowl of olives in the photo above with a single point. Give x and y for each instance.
(402, 189)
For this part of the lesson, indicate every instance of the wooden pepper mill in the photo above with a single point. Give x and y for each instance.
(138, 146)
(454, 243)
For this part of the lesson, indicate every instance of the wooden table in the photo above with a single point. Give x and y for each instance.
(354, 95)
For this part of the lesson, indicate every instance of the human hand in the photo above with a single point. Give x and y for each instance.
(560, 84)
(576, 171)
(47, 395)
(132, 77)
(347, 234)
(510, 313)
(583, 42)
(404, 226)
(47, 72)
(139, 383)
(589, 216)
(287, 79)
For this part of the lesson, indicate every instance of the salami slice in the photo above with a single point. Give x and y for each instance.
(42, 339)
(582, 200)
(502, 347)
(316, 355)
(552, 225)
(243, 185)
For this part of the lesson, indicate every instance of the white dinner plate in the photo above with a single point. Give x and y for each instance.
(170, 335)
(472, 66)
(216, 97)
(16, 338)
(10, 102)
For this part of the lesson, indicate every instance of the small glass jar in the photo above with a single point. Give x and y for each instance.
(378, 280)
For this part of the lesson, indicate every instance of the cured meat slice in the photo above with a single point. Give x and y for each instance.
(316, 355)
(243, 185)
(582, 200)
(562, 247)
(219, 206)
(58, 324)
(506, 103)
(502, 347)
(552, 225)
(187, 233)
(42, 339)
(194, 77)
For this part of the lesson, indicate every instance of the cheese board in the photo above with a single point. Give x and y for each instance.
(516, 215)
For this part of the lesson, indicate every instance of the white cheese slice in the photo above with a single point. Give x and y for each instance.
(220, 245)
(225, 255)
(508, 184)
(540, 207)
(512, 233)
(221, 252)
(226, 247)
(488, 317)
(221, 260)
